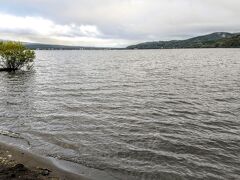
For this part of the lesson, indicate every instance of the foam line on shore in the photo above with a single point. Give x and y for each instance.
(13, 155)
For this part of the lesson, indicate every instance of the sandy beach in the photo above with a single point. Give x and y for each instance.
(16, 163)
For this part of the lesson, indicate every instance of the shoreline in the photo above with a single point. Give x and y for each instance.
(16, 163)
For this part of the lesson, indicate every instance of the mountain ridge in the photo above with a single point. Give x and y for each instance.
(213, 40)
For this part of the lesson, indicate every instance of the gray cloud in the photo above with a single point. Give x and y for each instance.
(122, 22)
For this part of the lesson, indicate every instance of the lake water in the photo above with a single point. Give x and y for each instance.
(144, 114)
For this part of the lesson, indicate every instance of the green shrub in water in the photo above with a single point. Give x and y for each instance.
(15, 56)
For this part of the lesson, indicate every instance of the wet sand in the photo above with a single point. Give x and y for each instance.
(19, 164)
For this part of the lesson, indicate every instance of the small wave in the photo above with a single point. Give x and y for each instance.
(13, 135)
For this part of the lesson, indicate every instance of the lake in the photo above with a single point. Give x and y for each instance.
(140, 114)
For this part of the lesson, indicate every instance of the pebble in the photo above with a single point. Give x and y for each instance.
(45, 172)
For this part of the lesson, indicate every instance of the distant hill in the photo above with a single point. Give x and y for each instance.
(214, 40)
(232, 42)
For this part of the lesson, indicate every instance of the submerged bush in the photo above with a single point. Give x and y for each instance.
(15, 56)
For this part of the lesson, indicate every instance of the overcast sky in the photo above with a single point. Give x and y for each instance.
(115, 23)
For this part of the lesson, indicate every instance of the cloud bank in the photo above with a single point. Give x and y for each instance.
(114, 22)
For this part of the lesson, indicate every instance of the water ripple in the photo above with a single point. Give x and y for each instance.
(156, 114)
